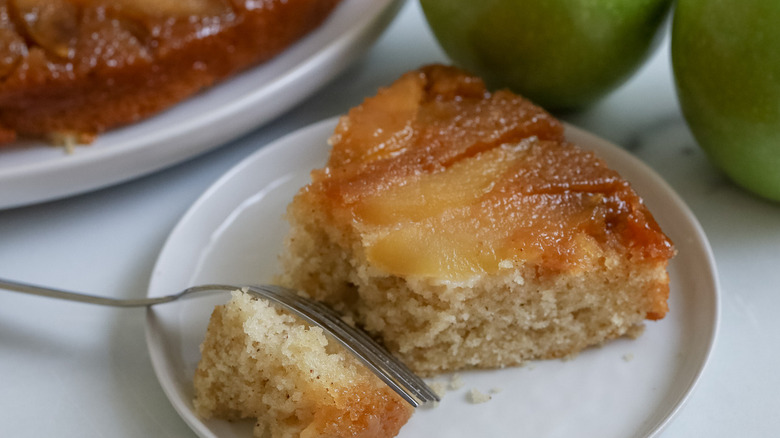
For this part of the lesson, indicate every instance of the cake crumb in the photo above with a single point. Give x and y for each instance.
(440, 388)
(477, 397)
(495, 390)
(628, 357)
(456, 382)
(635, 331)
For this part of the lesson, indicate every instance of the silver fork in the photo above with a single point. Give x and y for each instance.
(386, 366)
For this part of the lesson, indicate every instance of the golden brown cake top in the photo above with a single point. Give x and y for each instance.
(443, 179)
(72, 36)
(83, 66)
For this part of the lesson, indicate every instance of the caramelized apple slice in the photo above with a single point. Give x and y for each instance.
(51, 24)
(433, 249)
(12, 49)
(173, 8)
(433, 194)
(393, 109)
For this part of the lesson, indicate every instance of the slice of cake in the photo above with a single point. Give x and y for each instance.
(463, 230)
(261, 362)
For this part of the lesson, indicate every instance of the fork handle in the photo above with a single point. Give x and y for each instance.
(15, 286)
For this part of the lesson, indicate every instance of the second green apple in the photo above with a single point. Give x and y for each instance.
(562, 54)
(726, 59)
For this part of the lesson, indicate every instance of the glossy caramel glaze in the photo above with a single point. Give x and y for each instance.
(442, 179)
(82, 66)
(362, 411)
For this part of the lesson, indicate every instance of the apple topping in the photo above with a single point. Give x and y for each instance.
(12, 49)
(460, 182)
(51, 24)
(173, 8)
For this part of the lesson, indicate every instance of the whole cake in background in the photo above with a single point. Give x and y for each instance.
(70, 69)
(463, 230)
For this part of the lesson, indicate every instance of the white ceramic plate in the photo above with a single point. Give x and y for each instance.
(32, 172)
(233, 233)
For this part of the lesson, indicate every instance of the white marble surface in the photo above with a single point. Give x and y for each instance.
(70, 370)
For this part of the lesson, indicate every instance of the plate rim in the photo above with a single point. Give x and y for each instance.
(326, 125)
(703, 241)
(51, 177)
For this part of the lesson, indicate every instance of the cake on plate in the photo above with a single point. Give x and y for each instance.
(263, 363)
(462, 229)
(70, 69)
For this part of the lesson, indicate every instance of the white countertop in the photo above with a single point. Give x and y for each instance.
(72, 370)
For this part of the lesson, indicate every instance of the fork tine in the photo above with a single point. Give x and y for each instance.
(411, 380)
(344, 337)
(386, 366)
(378, 361)
(414, 382)
(365, 340)
(349, 336)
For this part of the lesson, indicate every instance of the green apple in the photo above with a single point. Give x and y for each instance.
(562, 54)
(726, 59)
